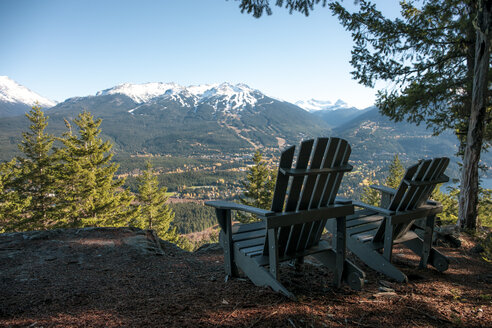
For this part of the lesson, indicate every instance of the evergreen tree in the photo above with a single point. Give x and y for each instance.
(12, 204)
(395, 175)
(485, 208)
(449, 202)
(89, 193)
(369, 195)
(31, 177)
(260, 185)
(396, 172)
(154, 213)
(437, 62)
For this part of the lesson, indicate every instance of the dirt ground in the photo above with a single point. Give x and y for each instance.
(104, 277)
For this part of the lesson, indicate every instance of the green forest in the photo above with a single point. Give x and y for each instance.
(72, 181)
(192, 217)
(68, 181)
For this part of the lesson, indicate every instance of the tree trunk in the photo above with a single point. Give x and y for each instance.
(468, 205)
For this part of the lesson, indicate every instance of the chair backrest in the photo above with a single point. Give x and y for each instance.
(312, 184)
(416, 187)
(418, 183)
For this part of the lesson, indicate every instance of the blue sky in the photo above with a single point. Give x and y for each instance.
(66, 48)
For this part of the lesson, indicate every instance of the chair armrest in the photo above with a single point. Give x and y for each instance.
(374, 208)
(343, 201)
(421, 212)
(384, 189)
(400, 217)
(223, 205)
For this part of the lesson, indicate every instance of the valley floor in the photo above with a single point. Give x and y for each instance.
(112, 277)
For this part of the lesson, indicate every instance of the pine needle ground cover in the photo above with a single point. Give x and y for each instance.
(113, 277)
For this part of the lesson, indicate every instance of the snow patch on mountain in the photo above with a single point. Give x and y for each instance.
(12, 92)
(141, 93)
(230, 97)
(234, 97)
(312, 105)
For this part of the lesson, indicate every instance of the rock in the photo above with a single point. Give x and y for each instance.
(477, 249)
(385, 295)
(447, 230)
(386, 289)
(144, 244)
(215, 247)
(453, 241)
(447, 236)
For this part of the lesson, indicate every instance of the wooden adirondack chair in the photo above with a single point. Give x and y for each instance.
(304, 199)
(373, 229)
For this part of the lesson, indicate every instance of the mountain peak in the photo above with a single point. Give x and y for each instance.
(312, 105)
(141, 93)
(14, 93)
(235, 96)
(341, 103)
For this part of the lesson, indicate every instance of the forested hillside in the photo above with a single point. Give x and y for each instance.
(201, 146)
(226, 119)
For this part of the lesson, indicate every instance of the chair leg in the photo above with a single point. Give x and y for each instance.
(388, 240)
(436, 258)
(375, 260)
(259, 275)
(298, 262)
(427, 242)
(329, 259)
(338, 229)
(341, 246)
(351, 275)
(225, 239)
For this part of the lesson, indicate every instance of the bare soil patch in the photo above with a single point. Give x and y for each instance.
(113, 277)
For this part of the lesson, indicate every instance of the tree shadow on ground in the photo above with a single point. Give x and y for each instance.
(100, 282)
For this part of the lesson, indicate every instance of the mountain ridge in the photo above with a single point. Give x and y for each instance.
(313, 105)
(237, 95)
(213, 119)
(170, 119)
(16, 99)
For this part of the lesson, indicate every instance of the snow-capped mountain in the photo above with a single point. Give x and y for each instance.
(16, 99)
(226, 96)
(141, 93)
(313, 105)
(333, 114)
(197, 119)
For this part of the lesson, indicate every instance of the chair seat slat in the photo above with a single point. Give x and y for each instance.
(249, 243)
(248, 235)
(239, 228)
(360, 213)
(364, 220)
(362, 228)
(249, 251)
